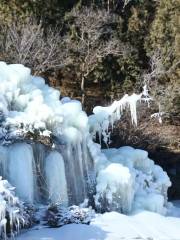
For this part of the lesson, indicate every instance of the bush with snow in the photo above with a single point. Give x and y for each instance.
(57, 216)
(13, 215)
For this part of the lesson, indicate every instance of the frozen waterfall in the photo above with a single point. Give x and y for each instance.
(71, 167)
(43, 175)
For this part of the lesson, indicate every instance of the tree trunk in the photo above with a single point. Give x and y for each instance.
(82, 90)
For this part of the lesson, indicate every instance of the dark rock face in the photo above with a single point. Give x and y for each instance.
(170, 162)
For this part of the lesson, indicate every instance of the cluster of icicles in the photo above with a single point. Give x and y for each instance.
(75, 168)
(104, 117)
(9, 207)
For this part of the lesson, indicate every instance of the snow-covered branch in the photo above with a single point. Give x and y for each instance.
(104, 117)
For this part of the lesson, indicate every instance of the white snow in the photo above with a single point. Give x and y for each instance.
(27, 100)
(113, 226)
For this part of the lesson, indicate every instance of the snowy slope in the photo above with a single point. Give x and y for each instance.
(114, 226)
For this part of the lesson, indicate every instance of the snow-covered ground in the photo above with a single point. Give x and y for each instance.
(115, 226)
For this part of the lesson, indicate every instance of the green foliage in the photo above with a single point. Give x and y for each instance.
(164, 32)
(50, 12)
(144, 27)
(164, 36)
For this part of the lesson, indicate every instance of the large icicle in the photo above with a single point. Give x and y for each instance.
(20, 170)
(75, 165)
(56, 178)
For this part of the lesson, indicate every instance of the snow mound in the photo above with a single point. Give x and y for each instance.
(129, 181)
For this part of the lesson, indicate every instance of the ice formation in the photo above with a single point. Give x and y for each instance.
(130, 181)
(75, 168)
(104, 117)
(16, 165)
(56, 183)
(20, 170)
(9, 207)
(28, 104)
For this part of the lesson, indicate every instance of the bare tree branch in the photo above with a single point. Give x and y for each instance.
(94, 40)
(29, 45)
